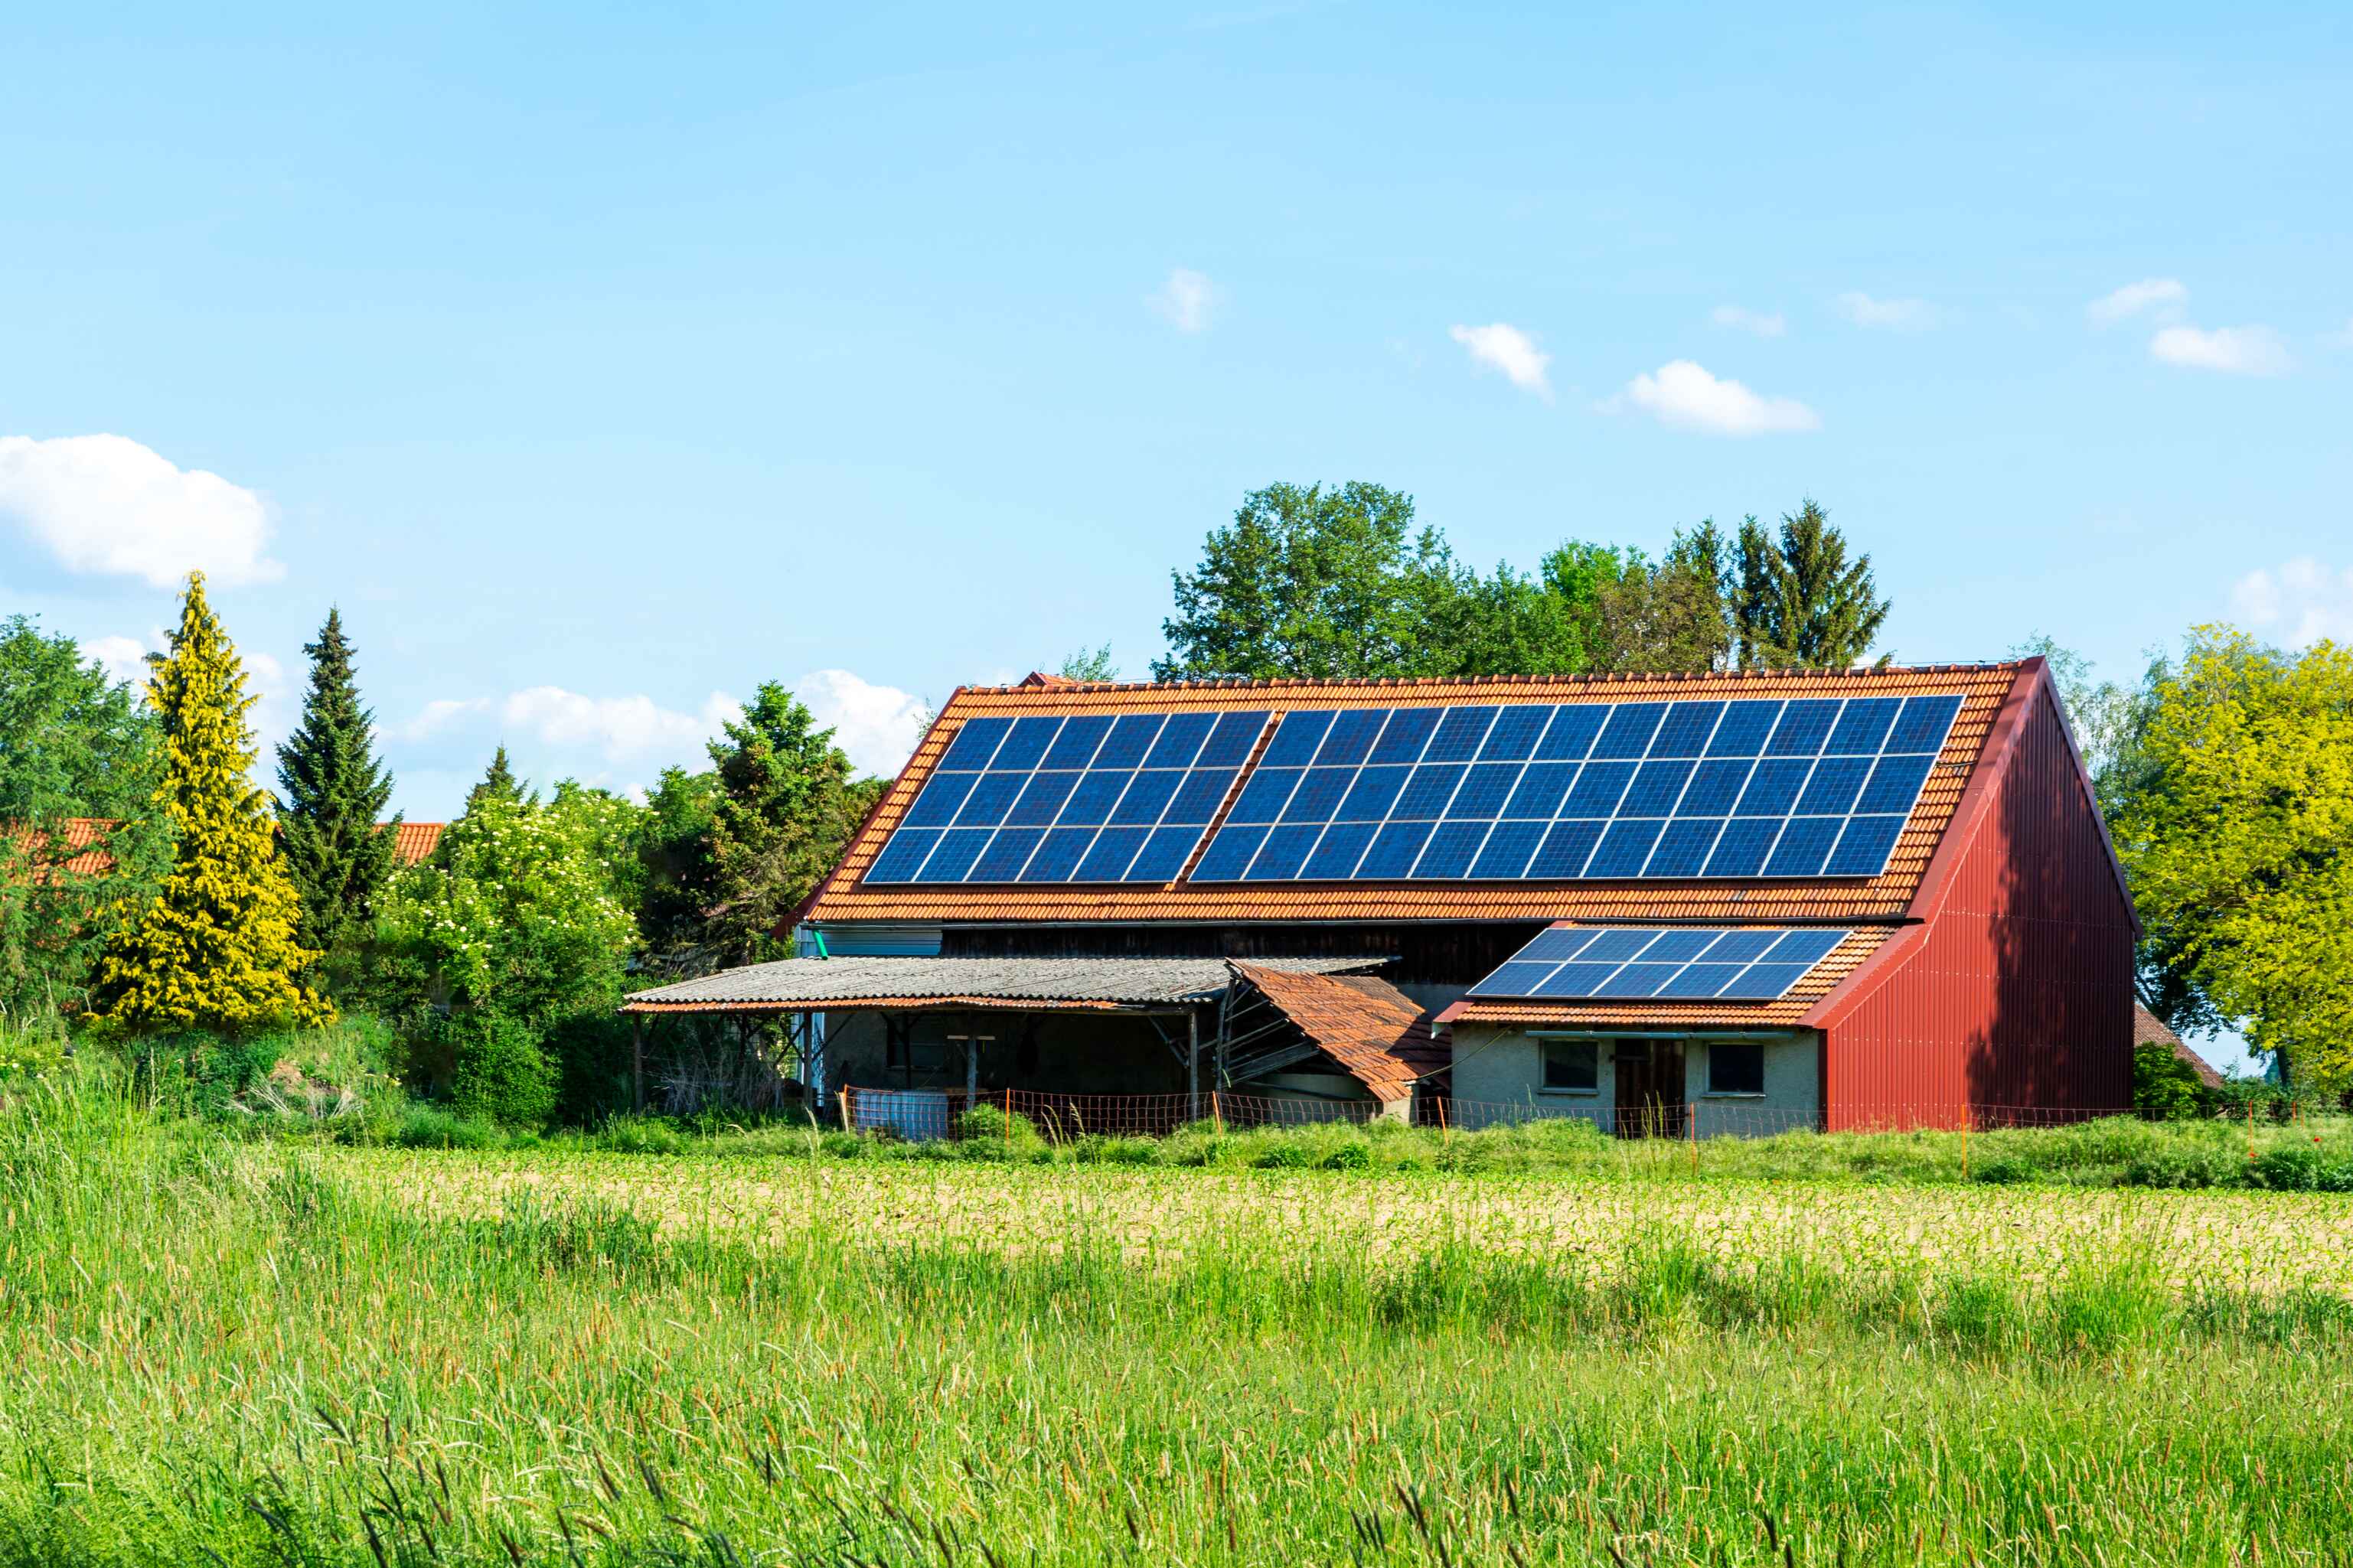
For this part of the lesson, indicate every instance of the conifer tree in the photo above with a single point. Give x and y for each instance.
(1797, 600)
(215, 946)
(334, 790)
(499, 782)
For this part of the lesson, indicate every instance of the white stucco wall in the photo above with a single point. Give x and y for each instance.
(1792, 1097)
(1504, 1067)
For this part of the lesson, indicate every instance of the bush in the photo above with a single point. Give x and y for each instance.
(437, 1127)
(2165, 1086)
(499, 1072)
(2186, 1167)
(2004, 1171)
(989, 1132)
(638, 1135)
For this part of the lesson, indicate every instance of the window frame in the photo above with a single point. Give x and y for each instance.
(1547, 1045)
(1715, 1049)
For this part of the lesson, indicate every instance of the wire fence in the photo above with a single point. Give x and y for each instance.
(920, 1114)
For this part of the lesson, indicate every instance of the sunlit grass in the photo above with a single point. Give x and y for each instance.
(233, 1351)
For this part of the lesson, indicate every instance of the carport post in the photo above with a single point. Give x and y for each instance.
(637, 1061)
(1192, 1065)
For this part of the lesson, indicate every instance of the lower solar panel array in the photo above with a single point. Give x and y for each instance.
(1681, 964)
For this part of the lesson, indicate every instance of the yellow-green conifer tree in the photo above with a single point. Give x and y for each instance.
(216, 947)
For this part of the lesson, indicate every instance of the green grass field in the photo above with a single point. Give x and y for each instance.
(238, 1351)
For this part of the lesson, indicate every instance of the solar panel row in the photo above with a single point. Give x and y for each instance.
(1084, 798)
(1739, 788)
(1681, 964)
(1732, 788)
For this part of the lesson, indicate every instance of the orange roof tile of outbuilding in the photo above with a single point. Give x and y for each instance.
(1371, 1028)
(1983, 689)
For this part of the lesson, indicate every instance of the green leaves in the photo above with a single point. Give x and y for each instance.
(215, 946)
(2235, 840)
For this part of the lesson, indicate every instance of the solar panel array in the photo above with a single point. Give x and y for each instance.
(1740, 788)
(1082, 798)
(1680, 964)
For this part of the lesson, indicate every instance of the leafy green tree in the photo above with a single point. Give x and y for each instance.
(785, 801)
(1309, 582)
(1797, 600)
(333, 796)
(1668, 617)
(215, 947)
(674, 860)
(2238, 842)
(515, 914)
(1090, 664)
(73, 745)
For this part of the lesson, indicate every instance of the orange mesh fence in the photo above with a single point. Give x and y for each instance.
(928, 1113)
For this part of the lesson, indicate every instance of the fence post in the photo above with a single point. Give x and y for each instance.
(638, 1063)
(1216, 1114)
(847, 1126)
(1445, 1133)
(1691, 1122)
(1968, 1117)
(2251, 1130)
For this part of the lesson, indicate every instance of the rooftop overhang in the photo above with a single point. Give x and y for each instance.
(1099, 985)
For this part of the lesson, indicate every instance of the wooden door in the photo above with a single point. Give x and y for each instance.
(1650, 1075)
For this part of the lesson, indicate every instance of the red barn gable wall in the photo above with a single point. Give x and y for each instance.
(2018, 991)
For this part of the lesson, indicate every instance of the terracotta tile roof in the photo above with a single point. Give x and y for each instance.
(413, 841)
(81, 832)
(2148, 1029)
(1791, 1007)
(1982, 688)
(1373, 1030)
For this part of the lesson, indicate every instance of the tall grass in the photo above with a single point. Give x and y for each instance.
(226, 1351)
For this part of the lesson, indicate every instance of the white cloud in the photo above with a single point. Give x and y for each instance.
(876, 726)
(107, 504)
(1503, 347)
(1895, 315)
(1763, 325)
(2236, 350)
(438, 715)
(2166, 295)
(2340, 340)
(2300, 604)
(1684, 395)
(621, 727)
(122, 658)
(1185, 301)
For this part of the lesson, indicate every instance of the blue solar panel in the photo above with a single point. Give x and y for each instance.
(1083, 798)
(1747, 787)
(1721, 788)
(1662, 963)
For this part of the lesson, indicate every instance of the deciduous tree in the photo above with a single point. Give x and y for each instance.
(74, 744)
(2238, 841)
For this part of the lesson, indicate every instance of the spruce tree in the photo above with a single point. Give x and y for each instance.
(334, 791)
(1797, 600)
(499, 782)
(215, 946)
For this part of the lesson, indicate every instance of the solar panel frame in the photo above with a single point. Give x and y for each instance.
(1662, 963)
(1700, 789)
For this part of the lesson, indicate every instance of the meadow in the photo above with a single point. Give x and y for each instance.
(250, 1350)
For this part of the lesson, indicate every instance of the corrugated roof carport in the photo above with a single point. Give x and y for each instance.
(1150, 988)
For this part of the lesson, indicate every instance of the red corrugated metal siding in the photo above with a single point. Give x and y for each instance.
(2019, 991)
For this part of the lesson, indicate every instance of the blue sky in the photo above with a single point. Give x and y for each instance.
(602, 363)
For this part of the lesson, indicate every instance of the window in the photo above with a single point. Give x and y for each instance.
(1574, 1066)
(1736, 1068)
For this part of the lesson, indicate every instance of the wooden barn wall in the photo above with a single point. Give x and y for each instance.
(2021, 994)
(1451, 954)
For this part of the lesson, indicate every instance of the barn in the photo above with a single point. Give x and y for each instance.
(1729, 901)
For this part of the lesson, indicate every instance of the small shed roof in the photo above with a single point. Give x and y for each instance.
(2148, 1029)
(1779, 1013)
(1109, 985)
(1378, 1035)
